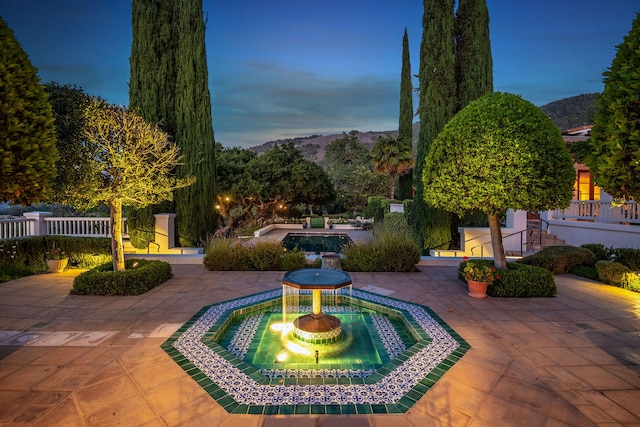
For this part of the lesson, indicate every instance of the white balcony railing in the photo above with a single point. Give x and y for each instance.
(597, 211)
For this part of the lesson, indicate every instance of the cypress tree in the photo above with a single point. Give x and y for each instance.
(151, 91)
(474, 74)
(405, 122)
(474, 63)
(27, 132)
(437, 106)
(615, 138)
(195, 214)
(169, 87)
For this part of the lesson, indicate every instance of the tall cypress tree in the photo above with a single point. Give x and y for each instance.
(151, 90)
(169, 86)
(405, 122)
(194, 130)
(474, 63)
(437, 106)
(474, 74)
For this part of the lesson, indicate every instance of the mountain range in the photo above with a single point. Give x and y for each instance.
(566, 113)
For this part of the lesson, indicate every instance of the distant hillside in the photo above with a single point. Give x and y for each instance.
(573, 112)
(314, 146)
(566, 113)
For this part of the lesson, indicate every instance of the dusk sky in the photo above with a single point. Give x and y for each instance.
(286, 68)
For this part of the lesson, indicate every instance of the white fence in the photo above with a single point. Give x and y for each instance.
(43, 224)
(597, 211)
(15, 228)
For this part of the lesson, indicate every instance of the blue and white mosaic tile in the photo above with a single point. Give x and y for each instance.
(436, 351)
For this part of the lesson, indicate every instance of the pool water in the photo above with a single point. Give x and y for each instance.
(369, 341)
(316, 243)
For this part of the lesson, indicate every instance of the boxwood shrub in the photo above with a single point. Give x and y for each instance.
(139, 276)
(518, 281)
(560, 259)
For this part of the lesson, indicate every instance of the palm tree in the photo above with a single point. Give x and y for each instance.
(392, 156)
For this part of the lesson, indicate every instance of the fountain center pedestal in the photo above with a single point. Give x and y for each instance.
(317, 327)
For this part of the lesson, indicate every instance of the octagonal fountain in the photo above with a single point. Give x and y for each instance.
(316, 347)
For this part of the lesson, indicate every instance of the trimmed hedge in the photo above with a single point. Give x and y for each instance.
(560, 259)
(617, 274)
(518, 281)
(139, 276)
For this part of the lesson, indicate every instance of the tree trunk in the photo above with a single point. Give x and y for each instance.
(499, 258)
(392, 185)
(117, 250)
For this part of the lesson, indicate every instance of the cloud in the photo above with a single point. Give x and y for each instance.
(282, 103)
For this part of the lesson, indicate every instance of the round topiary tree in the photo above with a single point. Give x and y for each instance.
(500, 152)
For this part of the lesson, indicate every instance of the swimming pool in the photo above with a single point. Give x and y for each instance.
(316, 242)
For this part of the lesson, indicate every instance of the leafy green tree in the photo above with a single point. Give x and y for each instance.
(169, 87)
(474, 63)
(437, 107)
(255, 188)
(133, 166)
(350, 168)
(69, 104)
(405, 121)
(615, 137)
(500, 152)
(391, 156)
(27, 132)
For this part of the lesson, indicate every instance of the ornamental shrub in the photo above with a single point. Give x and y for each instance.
(293, 260)
(225, 255)
(24, 257)
(627, 256)
(517, 281)
(139, 276)
(266, 256)
(611, 272)
(560, 259)
(392, 250)
(598, 249)
(587, 271)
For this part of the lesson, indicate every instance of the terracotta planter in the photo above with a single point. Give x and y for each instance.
(57, 265)
(477, 289)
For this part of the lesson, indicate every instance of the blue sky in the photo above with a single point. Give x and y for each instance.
(286, 68)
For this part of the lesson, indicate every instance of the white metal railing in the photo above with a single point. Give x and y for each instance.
(597, 211)
(15, 228)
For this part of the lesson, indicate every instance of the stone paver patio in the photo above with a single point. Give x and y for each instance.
(572, 360)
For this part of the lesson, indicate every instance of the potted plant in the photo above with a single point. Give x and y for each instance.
(56, 259)
(479, 276)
